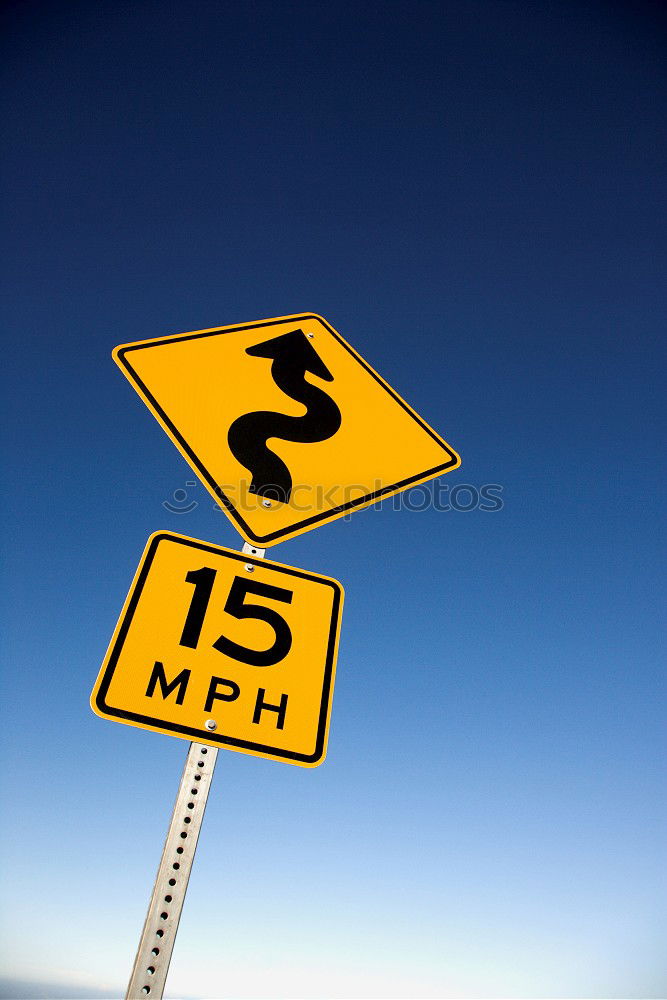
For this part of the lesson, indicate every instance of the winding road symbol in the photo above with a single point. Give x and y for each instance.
(292, 357)
(256, 452)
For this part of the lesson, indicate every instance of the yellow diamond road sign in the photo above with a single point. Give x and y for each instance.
(226, 649)
(286, 425)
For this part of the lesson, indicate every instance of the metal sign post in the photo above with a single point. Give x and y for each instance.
(151, 965)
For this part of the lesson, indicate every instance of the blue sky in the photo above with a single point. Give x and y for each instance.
(473, 195)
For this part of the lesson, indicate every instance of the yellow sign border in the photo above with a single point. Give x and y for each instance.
(105, 711)
(119, 355)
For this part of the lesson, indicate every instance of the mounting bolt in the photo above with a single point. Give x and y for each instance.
(250, 568)
(211, 724)
(311, 335)
(266, 503)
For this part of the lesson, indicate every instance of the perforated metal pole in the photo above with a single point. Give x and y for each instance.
(151, 965)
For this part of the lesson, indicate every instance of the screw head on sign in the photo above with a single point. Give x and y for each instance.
(211, 724)
(311, 335)
(250, 568)
(266, 503)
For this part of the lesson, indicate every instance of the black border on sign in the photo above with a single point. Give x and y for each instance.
(208, 478)
(211, 737)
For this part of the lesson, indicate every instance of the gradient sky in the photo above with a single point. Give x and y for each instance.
(473, 194)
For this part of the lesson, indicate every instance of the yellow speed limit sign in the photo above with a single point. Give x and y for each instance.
(226, 649)
(284, 423)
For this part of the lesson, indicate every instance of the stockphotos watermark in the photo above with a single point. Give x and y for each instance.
(460, 497)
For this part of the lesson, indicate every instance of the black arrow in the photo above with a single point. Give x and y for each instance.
(292, 356)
